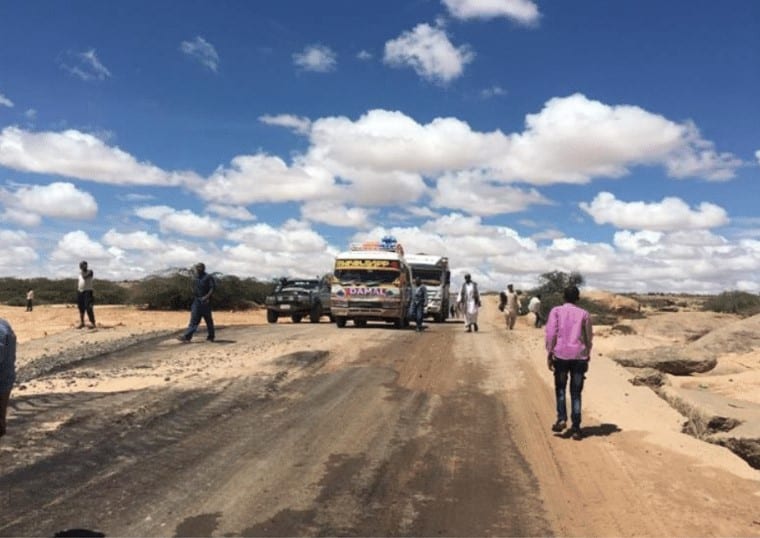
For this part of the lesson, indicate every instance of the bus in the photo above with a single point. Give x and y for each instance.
(372, 282)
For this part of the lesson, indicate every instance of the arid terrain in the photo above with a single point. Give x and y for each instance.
(307, 429)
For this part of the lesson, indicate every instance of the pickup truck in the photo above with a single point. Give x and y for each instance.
(299, 297)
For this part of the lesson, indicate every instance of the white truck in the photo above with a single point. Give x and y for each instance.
(371, 282)
(435, 274)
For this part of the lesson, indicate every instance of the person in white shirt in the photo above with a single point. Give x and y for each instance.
(469, 303)
(85, 297)
(511, 307)
(534, 305)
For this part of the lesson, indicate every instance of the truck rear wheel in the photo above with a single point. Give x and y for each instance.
(272, 316)
(296, 318)
(340, 321)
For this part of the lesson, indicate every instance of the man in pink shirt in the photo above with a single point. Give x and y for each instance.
(569, 337)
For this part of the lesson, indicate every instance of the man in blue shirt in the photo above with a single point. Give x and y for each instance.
(203, 288)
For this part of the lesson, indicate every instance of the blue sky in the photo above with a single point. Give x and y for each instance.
(618, 139)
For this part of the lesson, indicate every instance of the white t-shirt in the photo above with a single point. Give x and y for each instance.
(85, 281)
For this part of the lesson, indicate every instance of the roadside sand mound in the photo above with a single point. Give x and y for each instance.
(616, 303)
(741, 336)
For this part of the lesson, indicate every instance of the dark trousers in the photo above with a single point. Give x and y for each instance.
(199, 310)
(576, 370)
(85, 302)
(28, 305)
(417, 312)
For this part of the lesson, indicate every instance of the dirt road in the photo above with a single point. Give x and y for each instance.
(326, 431)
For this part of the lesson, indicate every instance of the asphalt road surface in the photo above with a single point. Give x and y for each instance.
(363, 431)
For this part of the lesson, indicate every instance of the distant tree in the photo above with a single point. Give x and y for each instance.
(734, 302)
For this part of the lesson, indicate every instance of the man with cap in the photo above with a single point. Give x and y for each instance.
(203, 287)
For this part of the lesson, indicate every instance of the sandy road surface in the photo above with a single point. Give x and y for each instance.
(312, 430)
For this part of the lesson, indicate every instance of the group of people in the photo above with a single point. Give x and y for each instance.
(568, 337)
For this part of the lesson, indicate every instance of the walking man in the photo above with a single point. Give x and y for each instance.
(203, 287)
(568, 339)
(419, 300)
(7, 369)
(469, 303)
(85, 297)
(29, 300)
(511, 307)
(534, 305)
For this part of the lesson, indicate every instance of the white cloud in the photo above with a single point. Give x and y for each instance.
(183, 222)
(521, 11)
(336, 214)
(79, 155)
(669, 214)
(4, 101)
(317, 58)
(476, 195)
(202, 51)
(757, 156)
(263, 178)
(140, 240)
(575, 138)
(364, 55)
(26, 204)
(18, 253)
(231, 212)
(428, 51)
(298, 124)
(76, 246)
(85, 65)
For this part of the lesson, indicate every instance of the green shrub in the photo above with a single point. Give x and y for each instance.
(734, 302)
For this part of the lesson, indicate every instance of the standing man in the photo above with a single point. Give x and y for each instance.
(7, 369)
(569, 338)
(85, 297)
(419, 300)
(203, 287)
(511, 307)
(29, 300)
(534, 305)
(469, 301)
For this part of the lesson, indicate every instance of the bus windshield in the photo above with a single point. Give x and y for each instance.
(429, 276)
(367, 277)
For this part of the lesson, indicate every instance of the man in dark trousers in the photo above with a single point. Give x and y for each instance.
(7, 369)
(203, 287)
(419, 301)
(85, 295)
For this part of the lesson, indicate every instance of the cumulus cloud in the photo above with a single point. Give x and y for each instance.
(477, 195)
(669, 214)
(521, 11)
(757, 156)
(201, 51)
(84, 65)
(27, 204)
(336, 214)
(428, 50)
(4, 101)
(183, 222)
(573, 139)
(364, 55)
(79, 155)
(317, 58)
(231, 212)
(298, 124)
(76, 246)
(493, 91)
(139, 240)
(264, 178)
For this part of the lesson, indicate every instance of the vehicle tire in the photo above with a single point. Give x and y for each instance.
(296, 318)
(316, 313)
(272, 316)
(332, 318)
(340, 321)
(438, 318)
(360, 322)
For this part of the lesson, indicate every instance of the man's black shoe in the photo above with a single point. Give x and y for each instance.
(559, 426)
(577, 434)
(476, 327)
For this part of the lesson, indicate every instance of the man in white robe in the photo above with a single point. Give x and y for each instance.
(469, 303)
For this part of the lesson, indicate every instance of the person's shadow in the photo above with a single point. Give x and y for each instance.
(601, 430)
